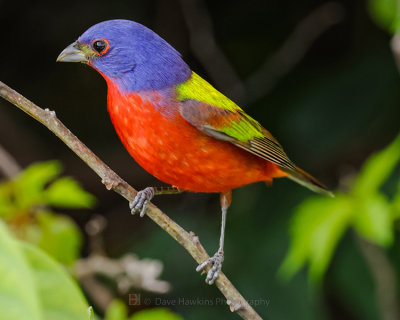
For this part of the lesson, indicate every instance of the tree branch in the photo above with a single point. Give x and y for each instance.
(395, 46)
(384, 276)
(279, 64)
(113, 182)
(295, 47)
(8, 165)
(205, 48)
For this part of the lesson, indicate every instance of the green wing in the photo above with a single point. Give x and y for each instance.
(211, 112)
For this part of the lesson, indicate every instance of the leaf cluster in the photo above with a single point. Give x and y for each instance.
(27, 203)
(319, 223)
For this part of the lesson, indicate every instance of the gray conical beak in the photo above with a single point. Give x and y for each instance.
(72, 54)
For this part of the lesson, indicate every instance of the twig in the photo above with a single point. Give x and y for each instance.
(293, 49)
(128, 271)
(384, 276)
(102, 297)
(113, 182)
(395, 46)
(205, 48)
(8, 165)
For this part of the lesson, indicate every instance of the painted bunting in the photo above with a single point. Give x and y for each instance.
(176, 125)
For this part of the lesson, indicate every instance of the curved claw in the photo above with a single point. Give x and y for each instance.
(142, 199)
(216, 262)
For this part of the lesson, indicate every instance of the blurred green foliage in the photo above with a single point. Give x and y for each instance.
(119, 311)
(319, 223)
(34, 286)
(155, 314)
(91, 313)
(386, 14)
(26, 204)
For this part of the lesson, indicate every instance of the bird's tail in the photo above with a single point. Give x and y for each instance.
(300, 176)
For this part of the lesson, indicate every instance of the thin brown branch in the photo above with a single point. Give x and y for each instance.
(127, 272)
(395, 46)
(9, 167)
(100, 296)
(113, 182)
(293, 49)
(204, 47)
(384, 276)
(263, 80)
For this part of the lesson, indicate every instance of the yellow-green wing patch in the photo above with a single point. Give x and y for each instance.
(213, 113)
(196, 88)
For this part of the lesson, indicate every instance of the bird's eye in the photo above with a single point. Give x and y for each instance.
(100, 46)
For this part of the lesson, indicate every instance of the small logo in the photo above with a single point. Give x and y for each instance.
(134, 299)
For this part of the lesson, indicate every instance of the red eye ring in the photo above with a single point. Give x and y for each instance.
(100, 46)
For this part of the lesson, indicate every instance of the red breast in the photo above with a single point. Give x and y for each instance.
(175, 152)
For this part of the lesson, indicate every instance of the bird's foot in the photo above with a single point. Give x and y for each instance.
(216, 262)
(142, 199)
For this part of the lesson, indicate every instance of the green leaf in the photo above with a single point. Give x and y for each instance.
(33, 286)
(6, 206)
(60, 237)
(18, 298)
(60, 298)
(377, 169)
(396, 204)
(29, 184)
(385, 14)
(117, 311)
(315, 230)
(91, 313)
(67, 193)
(373, 220)
(155, 314)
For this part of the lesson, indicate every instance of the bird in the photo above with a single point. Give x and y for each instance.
(176, 125)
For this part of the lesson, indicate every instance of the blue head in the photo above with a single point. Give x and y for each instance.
(130, 55)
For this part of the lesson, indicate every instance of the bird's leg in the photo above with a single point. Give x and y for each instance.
(144, 196)
(217, 259)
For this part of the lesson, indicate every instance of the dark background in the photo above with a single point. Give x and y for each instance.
(330, 109)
